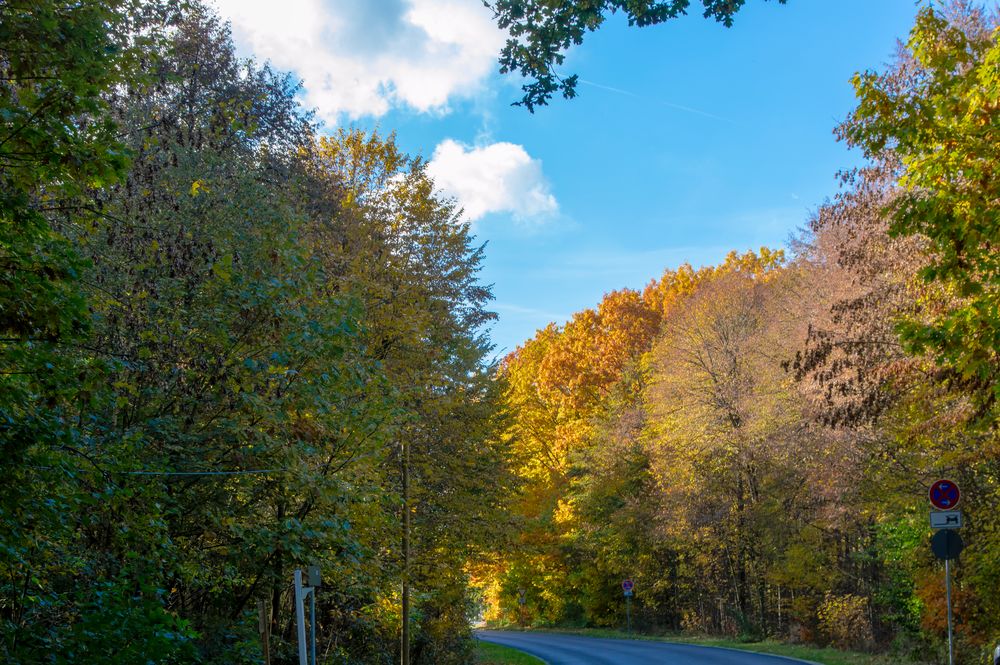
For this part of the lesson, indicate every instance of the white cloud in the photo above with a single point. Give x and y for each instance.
(364, 57)
(499, 177)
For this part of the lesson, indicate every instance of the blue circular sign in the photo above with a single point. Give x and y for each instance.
(945, 495)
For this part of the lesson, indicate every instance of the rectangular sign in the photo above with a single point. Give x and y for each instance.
(946, 519)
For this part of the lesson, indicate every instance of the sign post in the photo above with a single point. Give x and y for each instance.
(300, 612)
(264, 626)
(946, 544)
(947, 595)
(300, 615)
(627, 586)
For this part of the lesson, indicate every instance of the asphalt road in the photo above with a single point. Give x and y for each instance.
(577, 650)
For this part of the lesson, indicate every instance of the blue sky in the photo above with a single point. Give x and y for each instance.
(687, 139)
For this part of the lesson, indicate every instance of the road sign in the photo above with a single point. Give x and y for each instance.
(946, 519)
(521, 600)
(315, 576)
(945, 495)
(947, 544)
(627, 586)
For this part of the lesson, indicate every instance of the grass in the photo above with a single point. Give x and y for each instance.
(824, 656)
(488, 653)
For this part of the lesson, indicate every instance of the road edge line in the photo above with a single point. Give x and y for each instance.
(737, 650)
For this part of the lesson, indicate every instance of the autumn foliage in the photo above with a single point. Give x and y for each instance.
(752, 442)
(233, 347)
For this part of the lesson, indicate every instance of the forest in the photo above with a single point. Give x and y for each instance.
(236, 343)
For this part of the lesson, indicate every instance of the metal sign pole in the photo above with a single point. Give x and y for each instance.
(947, 586)
(300, 616)
(312, 622)
(628, 615)
(947, 544)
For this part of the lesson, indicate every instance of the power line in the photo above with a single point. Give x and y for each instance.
(245, 472)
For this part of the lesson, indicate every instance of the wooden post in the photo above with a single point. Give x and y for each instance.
(265, 630)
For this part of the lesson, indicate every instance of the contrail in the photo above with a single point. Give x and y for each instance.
(657, 101)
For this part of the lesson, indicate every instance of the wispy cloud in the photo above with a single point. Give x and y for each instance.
(531, 312)
(660, 102)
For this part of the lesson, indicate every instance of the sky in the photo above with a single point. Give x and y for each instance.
(687, 139)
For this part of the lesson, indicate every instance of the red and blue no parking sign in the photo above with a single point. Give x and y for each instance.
(945, 495)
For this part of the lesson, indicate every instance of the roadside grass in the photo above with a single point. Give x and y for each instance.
(488, 653)
(823, 656)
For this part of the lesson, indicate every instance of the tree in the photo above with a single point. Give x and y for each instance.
(936, 112)
(59, 147)
(218, 329)
(541, 31)
(412, 261)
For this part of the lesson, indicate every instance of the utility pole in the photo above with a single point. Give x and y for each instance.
(405, 647)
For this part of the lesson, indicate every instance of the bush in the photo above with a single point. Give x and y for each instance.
(844, 621)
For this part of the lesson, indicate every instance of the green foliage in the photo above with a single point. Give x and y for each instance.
(220, 333)
(937, 114)
(123, 622)
(215, 336)
(58, 143)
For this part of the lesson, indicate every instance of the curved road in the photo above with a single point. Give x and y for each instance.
(558, 649)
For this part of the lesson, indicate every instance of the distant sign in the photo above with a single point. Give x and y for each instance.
(947, 544)
(627, 586)
(521, 600)
(944, 495)
(946, 519)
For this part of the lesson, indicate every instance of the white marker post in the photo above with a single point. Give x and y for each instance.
(300, 613)
(300, 616)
